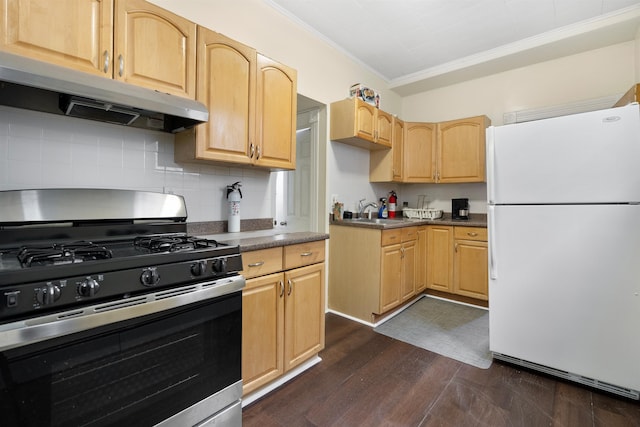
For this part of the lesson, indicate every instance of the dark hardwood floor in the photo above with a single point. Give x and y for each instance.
(368, 379)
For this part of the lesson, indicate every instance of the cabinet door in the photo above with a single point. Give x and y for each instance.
(276, 102)
(304, 314)
(461, 150)
(409, 270)
(365, 120)
(226, 85)
(419, 152)
(440, 259)
(72, 33)
(262, 331)
(470, 274)
(421, 260)
(397, 149)
(154, 48)
(384, 128)
(390, 277)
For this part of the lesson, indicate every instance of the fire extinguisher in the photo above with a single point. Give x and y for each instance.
(234, 195)
(393, 198)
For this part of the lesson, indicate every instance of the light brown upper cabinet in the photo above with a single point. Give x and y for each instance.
(358, 123)
(446, 152)
(83, 32)
(252, 107)
(387, 165)
(154, 48)
(276, 106)
(129, 40)
(461, 150)
(419, 152)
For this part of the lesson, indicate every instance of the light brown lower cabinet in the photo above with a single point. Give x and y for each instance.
(457, 261)
(371, 271)
(282, 311)
(470, 277)
(440, 258)
(422, 244)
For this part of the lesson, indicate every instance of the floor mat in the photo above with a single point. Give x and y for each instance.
(457, 331)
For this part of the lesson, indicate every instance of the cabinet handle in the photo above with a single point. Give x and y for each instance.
(472, 233)
(455, 247)
(256, 264)
(106, 61)
(121, 65)
(281, 289)
(252, 150)
(258, 153)
(306, 254)
(290, 287)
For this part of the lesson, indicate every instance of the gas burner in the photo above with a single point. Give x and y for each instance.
(55, 254)
(173, 243)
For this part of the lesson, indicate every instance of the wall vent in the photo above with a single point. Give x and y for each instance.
(560, 110)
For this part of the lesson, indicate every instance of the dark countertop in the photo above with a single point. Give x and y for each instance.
(265, 239)
(475, 220)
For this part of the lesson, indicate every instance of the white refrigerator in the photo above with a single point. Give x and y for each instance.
(564, 246)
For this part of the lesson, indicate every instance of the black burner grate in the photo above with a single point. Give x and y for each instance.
(158, 243)
(69, 253)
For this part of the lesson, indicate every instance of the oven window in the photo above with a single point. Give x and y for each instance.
(141, 371)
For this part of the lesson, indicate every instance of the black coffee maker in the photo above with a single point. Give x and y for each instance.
(460, 209)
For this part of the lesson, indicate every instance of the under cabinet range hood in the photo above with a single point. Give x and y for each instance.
(40, 86)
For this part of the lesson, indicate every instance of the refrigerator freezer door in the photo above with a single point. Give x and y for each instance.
(564, 291)
(583, 158)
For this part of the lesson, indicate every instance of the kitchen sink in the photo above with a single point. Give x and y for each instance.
(375, 220)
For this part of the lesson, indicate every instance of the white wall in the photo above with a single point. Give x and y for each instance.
(39, 150)
(593, 74)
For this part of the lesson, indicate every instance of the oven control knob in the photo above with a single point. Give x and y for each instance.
(48, 294)
(199, 268)
(88, 288)
(219, 265)
(150, 277)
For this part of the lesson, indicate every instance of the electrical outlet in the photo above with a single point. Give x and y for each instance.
(334, 199)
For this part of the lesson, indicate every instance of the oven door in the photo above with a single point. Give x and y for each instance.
(176, 363)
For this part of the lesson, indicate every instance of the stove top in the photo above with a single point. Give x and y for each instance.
(55, 254)
(65, 261)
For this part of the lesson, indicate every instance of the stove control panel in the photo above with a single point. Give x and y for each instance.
(31, 298)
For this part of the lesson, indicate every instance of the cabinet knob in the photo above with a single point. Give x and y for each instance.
(121, 65)
(105, 68)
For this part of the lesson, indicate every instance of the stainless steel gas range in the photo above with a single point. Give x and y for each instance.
(111, 313)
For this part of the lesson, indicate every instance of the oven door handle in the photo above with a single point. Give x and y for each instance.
(30, 331)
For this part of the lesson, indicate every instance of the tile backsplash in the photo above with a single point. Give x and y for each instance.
(39, 150)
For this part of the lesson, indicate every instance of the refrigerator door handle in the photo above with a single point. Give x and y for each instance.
(491, 164)
(493, 269)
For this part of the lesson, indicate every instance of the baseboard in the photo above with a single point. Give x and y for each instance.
(252, 397)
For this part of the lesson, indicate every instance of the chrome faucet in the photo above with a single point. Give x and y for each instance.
(362, 207)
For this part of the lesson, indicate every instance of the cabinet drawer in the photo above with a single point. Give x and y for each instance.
(303, 254)
(470, 233)
(391, 237)
(259, 263)
(409, 233)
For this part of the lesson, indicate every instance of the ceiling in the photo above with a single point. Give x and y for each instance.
(418, 45)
